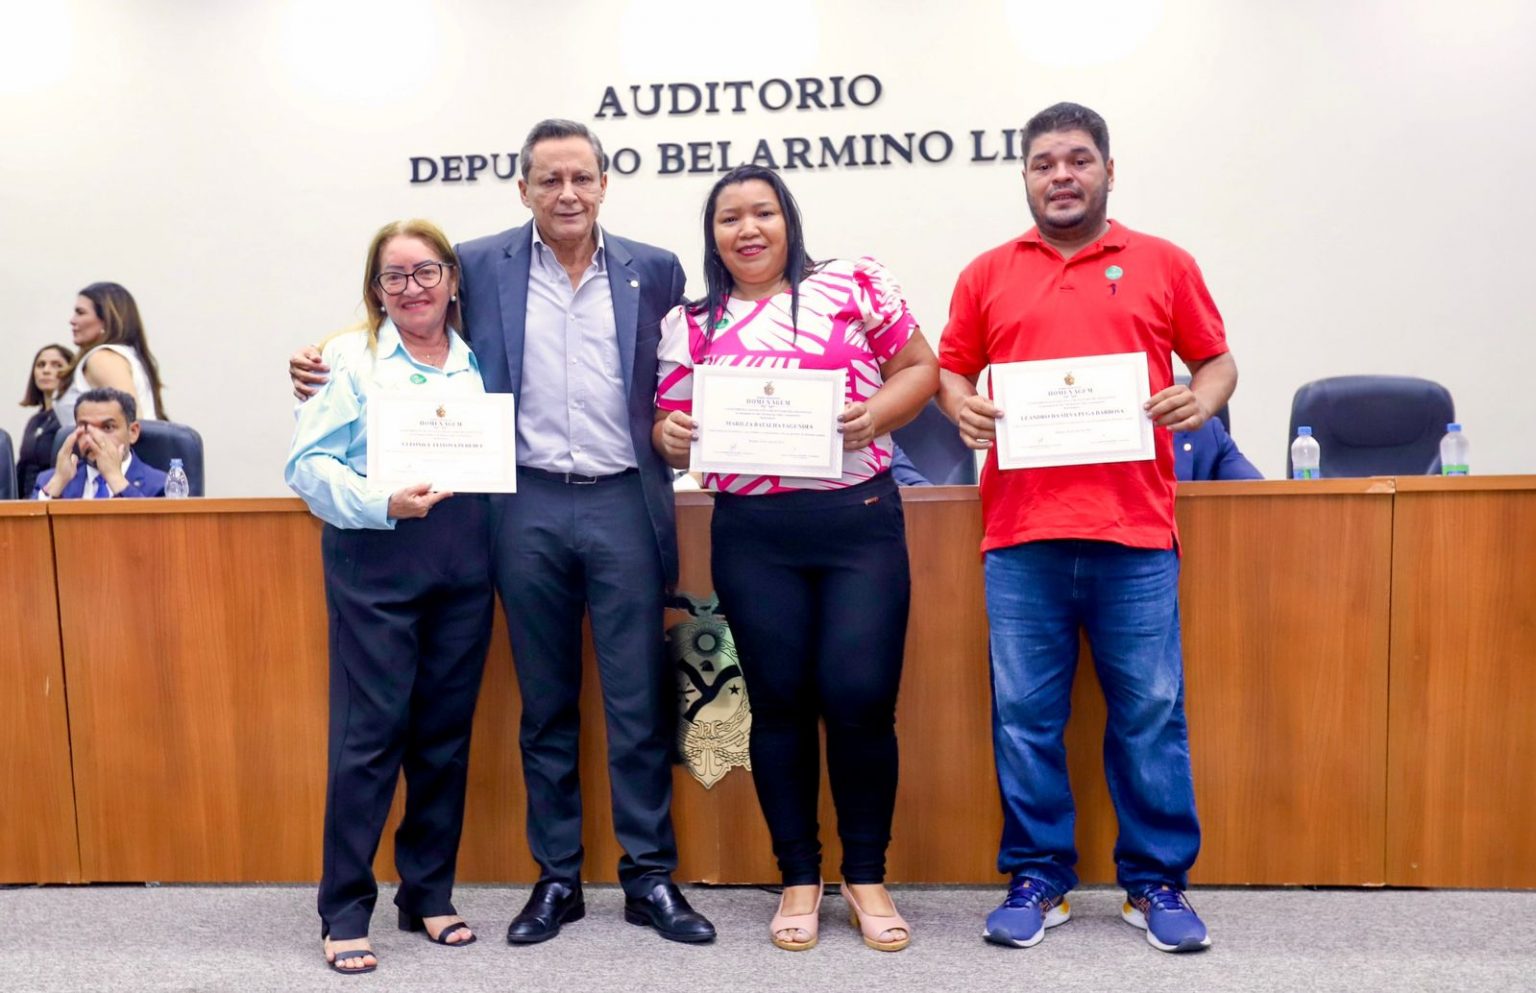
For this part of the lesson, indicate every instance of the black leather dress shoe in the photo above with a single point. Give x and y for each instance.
(553, 902)
(664, 908)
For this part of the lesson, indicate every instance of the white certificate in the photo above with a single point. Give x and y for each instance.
(768, 422)
(1080, 411)
(461, 442)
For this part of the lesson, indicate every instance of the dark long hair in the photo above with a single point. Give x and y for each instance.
(718, 283)
(119, 315)
(33, 397)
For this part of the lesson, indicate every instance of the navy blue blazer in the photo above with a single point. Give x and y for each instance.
(904, 471)
(1210, 453)
(645, 281)
(144, 480)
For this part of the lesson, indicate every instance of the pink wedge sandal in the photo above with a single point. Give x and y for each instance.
(808, 923)
(873, 928)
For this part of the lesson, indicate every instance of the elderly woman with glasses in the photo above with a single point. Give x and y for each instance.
(408, 591)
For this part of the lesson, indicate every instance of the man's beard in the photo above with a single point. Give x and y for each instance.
(1091, 219)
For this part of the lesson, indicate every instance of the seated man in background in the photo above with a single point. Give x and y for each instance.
(903, 471)
(96, 461)
(1208, 452)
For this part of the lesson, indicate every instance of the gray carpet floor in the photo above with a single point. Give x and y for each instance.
(265, 938)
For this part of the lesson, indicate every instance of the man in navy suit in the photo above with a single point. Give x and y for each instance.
(566, 317)
(1208, 452)
(96, 461)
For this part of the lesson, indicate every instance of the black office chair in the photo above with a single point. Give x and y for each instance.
(161, 441)
(1374, 425)
(933, 444)
(7, 467)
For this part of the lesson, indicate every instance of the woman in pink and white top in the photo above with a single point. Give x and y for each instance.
(811, 573)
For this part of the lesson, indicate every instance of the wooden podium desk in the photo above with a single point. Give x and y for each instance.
(37, 800)
(194, 654)
(194, 647)
(1461, 778)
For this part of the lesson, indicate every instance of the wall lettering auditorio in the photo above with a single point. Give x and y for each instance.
(814, 148)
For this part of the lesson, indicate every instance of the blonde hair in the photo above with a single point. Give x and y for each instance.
(424, 231)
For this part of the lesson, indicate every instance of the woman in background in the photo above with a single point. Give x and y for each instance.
(408, 592)
(812, 573)
(35, 452)
(113, 352)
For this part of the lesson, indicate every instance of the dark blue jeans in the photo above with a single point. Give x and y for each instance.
(1039, 596)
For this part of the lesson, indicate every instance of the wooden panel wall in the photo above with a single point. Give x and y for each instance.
(1462, 770)
(1288, 734)
(1286, 603)
(37, 802)
(194, 640)
(1285, 656)
(194, 652)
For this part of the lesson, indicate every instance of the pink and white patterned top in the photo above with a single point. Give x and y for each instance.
(852, 316)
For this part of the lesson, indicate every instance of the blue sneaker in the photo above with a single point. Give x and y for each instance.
(1170, 922)
(1025, 914)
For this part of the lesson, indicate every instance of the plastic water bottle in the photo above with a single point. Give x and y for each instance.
(176, 485)
(1306, 455)
(1455, 452)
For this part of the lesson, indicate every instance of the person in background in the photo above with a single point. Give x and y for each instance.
(114, 351)
(903, 471)
(408, 589)
(35, 453)
(1208, 452)
(812, 573)
(96, 461)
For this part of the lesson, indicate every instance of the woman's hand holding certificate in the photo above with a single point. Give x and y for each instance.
(462, 442)
(770, 422)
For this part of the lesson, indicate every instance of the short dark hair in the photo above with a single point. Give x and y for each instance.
(1068, 117)
(33, 397)
(556, 127)
(106, 394)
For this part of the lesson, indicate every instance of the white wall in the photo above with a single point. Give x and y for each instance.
(1352, 176)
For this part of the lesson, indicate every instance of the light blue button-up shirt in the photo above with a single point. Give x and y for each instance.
(328, 462)
(571, 416)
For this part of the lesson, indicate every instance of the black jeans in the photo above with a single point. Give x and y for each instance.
(410, 622)
(816, 586)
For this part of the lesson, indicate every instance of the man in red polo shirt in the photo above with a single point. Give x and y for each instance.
(1086, 547)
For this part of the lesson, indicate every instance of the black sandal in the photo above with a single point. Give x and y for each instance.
(412, 922)
(352, 953)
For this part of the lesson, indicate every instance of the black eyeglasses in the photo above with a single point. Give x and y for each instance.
(427, 275)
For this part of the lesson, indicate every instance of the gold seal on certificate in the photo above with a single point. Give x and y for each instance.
(768, 421)
(464, 443)
(1081, 411)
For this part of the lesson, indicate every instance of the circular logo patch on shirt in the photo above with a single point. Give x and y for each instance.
(418, 378)
(1114, 272)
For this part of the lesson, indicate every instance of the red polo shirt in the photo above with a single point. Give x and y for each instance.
(1127, 292)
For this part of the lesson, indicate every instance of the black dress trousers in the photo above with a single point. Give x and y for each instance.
(564, 549)
(410, 622)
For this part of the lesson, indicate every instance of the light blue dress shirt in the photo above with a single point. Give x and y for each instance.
(328, 461)
(571, 416)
